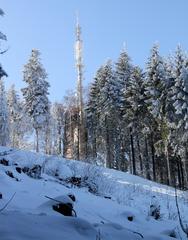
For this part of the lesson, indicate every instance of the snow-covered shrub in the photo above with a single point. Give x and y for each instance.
(49, 166)
(92, 173)
(35, 172)
(75, 169)
(154, 210)
(93, 177)
(87, 175)
(56, 167)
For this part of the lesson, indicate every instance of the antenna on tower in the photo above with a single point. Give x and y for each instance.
(124, 46)
(77, 17)
(78, 28)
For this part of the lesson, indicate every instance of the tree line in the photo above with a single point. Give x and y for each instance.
(138, 119)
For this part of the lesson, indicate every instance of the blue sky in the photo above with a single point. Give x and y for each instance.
(49, 25)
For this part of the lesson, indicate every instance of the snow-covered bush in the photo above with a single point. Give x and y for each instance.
(154, 210)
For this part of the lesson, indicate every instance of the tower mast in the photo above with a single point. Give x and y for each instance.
(80, 104)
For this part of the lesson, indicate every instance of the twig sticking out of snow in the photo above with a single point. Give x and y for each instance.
(8, 202)
(185, 230)
(139, 234)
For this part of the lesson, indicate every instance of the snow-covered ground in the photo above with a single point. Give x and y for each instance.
(103, 215)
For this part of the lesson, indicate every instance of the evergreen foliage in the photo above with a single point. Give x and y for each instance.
(4, 118)
(36, 93)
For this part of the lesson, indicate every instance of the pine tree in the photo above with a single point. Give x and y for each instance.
(2, 37)
(123, 71)
(155, 82)
(98, 132)
(92, 118)
(4, 122)
(36, 93)
(155, 86)
(134, 113)
(180, 103)
(108, 114)
(15, 118)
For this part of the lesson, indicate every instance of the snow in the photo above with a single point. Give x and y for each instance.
(30, 215)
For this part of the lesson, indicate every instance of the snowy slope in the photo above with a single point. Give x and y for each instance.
(30, 216)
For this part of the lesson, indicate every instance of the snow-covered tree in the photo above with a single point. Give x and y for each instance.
(155, 82)
(4, 126)
(4, 121)
(134, 112)
(107, 112)
(94, 114)
(123, 70)
(16, 118)
(4, 38)
(180, 89)
(2, 35)
(180, 103)
(36, 93)
(58, 111)
(155, 86)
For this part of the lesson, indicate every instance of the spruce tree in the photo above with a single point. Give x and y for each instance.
(180, 103)
(36, 93)
(92, 118)
(123, 71)
(2, 35)
(4, 38)
(4, 120)
(155, 86)
(15, 118)
(98, 133)
(134, 113)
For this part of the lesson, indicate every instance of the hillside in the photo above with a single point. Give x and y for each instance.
(110, 205)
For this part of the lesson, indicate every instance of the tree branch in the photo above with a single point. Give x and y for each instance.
(8, 202)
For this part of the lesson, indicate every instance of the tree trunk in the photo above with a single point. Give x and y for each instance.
(37, 140)
(133, 152)
(94, 143)
(184, 166)
(147, 160)
(59, 139)
(65, 136)
(182, 173)
(179, 174)
(153, 158)
(109, 156)
(169, 180)
(140, 156)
